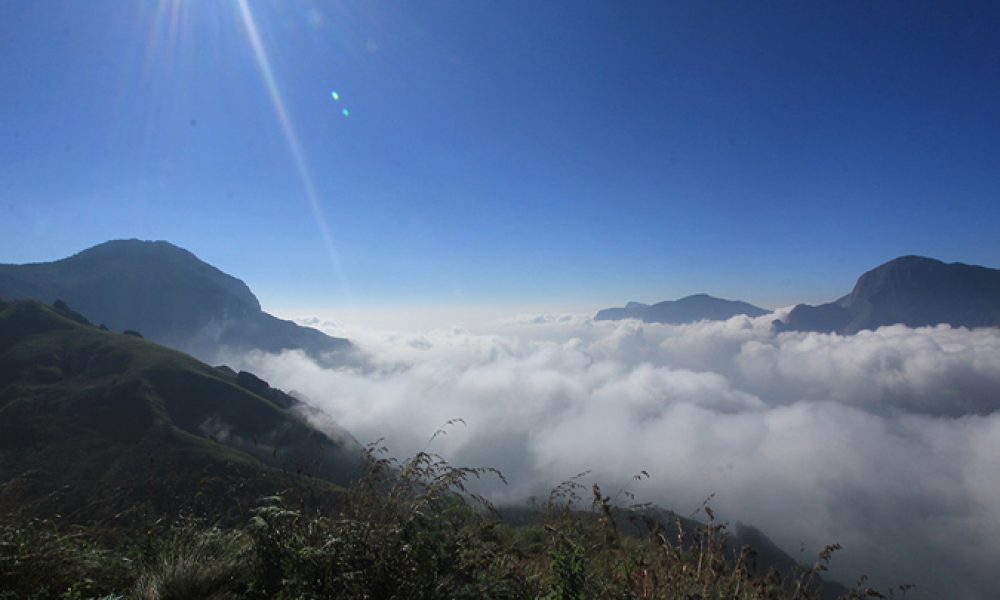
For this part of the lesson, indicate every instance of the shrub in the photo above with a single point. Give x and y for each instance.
(408, 530)
(194, 562)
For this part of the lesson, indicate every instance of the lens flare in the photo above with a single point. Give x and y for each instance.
(346, 112)
(291, 137)
(335, 95)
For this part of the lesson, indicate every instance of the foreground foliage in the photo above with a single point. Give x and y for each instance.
(409, 530)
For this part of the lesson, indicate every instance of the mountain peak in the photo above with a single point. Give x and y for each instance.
(697, 307)
(133, 244)
(911, 290)
(134, 248)
(699, 298)
(907, 266)
(165, 292)
(912, 259)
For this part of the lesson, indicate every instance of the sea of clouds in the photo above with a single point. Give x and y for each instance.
(887, 442)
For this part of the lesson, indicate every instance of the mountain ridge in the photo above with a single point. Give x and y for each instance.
(689, 309)
(169, 295)
(911, 290)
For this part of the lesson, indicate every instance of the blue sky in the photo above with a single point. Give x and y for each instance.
(554, 154)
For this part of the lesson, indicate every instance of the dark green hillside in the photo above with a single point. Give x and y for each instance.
(98, 426)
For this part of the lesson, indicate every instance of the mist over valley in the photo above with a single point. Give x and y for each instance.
(882, 440)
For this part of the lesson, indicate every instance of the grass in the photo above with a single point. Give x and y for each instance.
(194, 561)
(41, 561)
(411, 530)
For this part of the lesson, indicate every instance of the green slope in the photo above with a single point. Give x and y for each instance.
(99, 426)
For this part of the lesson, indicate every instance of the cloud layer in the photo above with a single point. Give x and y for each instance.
(887, 442)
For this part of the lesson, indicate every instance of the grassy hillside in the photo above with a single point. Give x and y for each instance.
(105, 427)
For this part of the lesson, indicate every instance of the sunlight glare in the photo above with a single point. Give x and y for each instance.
(291, 136)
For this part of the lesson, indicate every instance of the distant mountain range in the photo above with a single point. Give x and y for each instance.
(167, 294)
(910, 290)
(173, 298)
(93, 423)
(690, 309)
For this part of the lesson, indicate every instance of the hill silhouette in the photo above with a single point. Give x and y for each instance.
(689, 309)
(910, 290)
(168, 295)
(104, 427)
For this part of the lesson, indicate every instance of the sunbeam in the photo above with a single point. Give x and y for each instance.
(292, 139)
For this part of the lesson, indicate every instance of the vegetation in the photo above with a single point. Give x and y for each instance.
(407, 530)
(111, 430)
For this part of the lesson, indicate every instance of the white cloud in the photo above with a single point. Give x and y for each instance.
(887, 442)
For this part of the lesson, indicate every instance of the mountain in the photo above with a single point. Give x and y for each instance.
(911, 290)
(699, 307)
(106, 427)
(168, 295)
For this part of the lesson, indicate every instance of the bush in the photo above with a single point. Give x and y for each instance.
(407, 531)
(194, 562)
